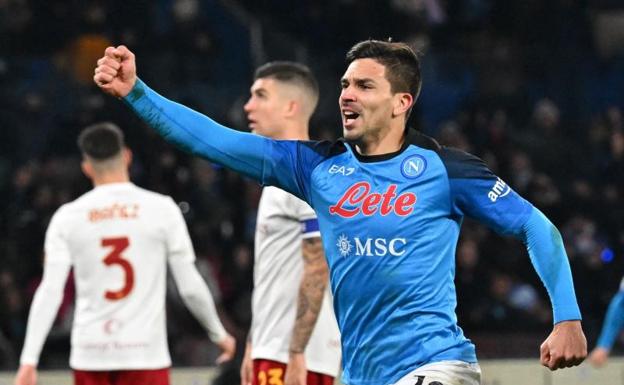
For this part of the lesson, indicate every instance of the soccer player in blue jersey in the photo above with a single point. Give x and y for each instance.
(390, 203)
(611, 328)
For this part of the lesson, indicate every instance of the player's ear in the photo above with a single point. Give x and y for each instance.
(403, 101)
(87, 168)
(292, 108)
(127, 156)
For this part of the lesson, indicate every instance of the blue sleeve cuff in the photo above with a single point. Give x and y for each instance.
(136, 92)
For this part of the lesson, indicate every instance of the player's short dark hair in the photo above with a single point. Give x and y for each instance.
(289, 72)
(401, 62)
(101, 141)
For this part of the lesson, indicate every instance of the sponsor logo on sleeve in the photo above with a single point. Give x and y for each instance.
(499, 190)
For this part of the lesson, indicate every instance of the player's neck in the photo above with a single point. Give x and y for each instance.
(109, 178)
(386, 142)
(294, 131)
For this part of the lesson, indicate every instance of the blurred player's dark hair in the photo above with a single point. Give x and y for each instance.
(101, 141)
(290, 72)
(401, 62)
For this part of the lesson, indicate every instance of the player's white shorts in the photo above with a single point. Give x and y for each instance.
(444, 373)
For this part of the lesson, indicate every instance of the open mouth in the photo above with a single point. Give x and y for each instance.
(349, 116)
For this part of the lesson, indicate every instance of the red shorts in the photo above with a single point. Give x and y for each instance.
(267, 372)
(122, 377)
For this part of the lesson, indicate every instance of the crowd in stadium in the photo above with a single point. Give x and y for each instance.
(543, 107)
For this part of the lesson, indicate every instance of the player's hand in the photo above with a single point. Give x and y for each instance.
(598, 357)
(296, 370)
(228, 349)
(565, 347)
(26, 375)
(115, 73)
(246, 370)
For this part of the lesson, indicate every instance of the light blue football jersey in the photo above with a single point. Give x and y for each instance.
(389, 225)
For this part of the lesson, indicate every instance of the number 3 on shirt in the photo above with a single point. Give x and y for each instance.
(115, 258)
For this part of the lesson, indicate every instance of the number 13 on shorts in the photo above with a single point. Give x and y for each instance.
(271, 377)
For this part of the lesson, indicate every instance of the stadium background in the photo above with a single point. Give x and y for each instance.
(533, 87)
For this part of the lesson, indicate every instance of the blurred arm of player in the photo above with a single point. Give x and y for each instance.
(45, 303)
(613, 323)
(43, 311)
(191, 286)
(246, 370)
(311, 294)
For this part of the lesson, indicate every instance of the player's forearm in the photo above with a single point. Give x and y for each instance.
(311, 294)
(197, 298)
(198, 134)
(613, 323)
(548, 256)
(43, 311)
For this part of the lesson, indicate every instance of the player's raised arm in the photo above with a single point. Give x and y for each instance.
(272, 162)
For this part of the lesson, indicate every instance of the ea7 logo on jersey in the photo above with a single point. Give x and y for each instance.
(336, 169)
(368, 203)
(499, 190)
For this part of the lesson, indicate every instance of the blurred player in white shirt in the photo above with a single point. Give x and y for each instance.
(119, 239)
(294, 337)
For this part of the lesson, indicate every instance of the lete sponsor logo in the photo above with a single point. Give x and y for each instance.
(359, 199)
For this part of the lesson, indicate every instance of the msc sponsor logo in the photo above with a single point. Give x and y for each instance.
(359, 199)
(337, 169)
(370, 247)
(413, 166)
(499, 190)
(344, 245)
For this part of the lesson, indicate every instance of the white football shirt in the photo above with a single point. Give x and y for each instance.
(119, 239)
(283, 222)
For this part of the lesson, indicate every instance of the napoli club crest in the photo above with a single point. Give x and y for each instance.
(413, 166)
